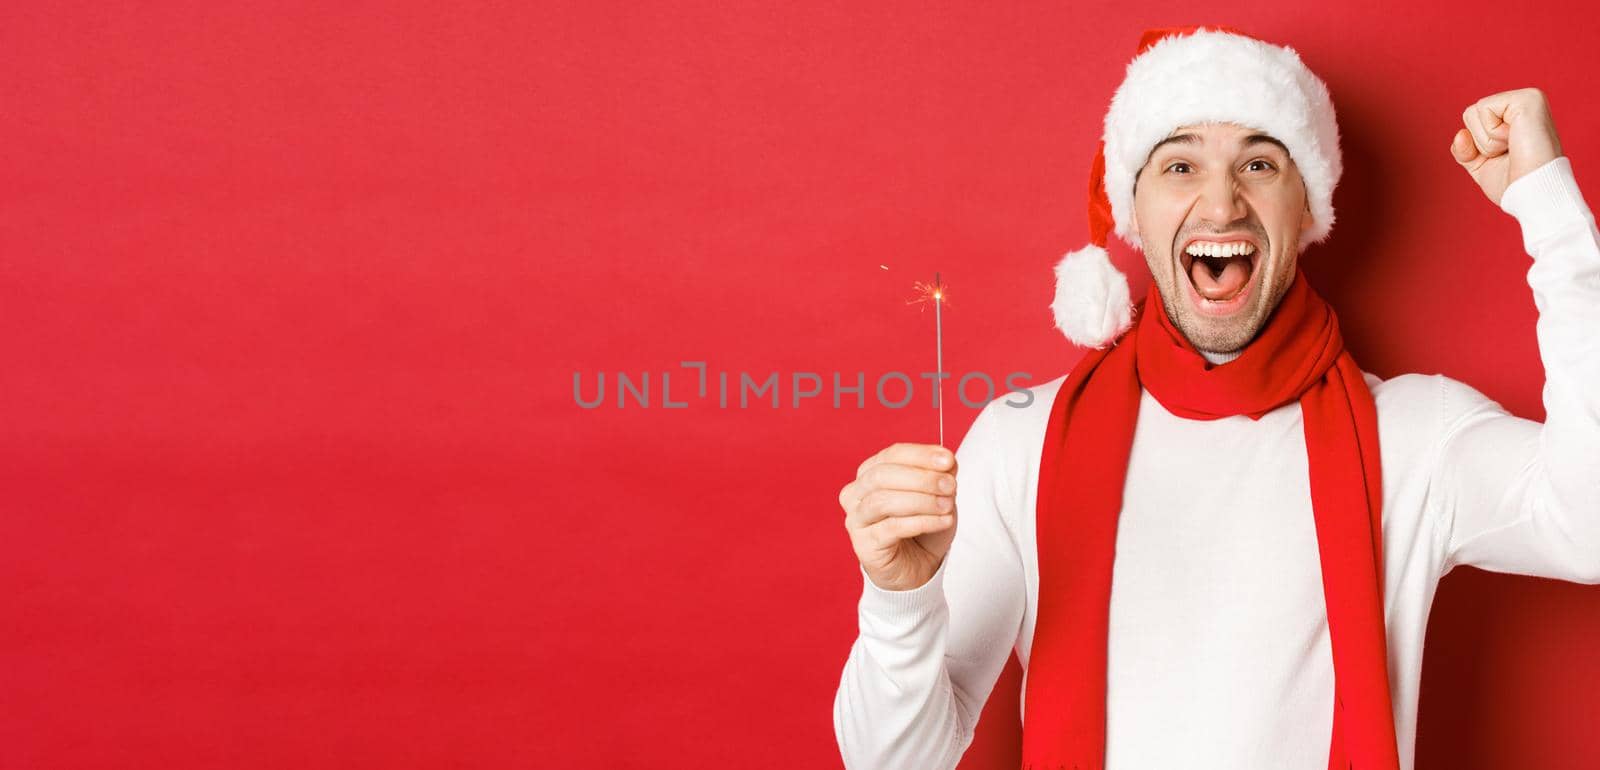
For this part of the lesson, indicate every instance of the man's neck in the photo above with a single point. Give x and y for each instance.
(1220, 358)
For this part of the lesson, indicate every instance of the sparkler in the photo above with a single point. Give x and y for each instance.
(937, 294)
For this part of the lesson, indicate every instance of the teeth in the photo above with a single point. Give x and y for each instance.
(1205, 249)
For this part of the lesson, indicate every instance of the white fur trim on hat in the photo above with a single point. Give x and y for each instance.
(1092, 305)
(1212, 76)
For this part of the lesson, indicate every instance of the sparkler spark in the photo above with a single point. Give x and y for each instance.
(936, 292)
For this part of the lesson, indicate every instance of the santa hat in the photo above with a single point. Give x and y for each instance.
(1184, 76)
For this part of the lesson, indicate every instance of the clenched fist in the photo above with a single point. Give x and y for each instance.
(1507, 135)
(900, 512)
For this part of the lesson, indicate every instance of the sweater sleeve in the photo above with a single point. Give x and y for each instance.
(1513, 495)
(926, 659)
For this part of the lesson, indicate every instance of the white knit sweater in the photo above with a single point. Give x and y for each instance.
(1218, 649)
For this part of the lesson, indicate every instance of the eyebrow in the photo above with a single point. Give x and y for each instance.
(1249, 141)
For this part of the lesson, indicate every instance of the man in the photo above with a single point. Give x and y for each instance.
(1215, 542)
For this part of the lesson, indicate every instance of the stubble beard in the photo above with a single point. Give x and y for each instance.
(1215, 335)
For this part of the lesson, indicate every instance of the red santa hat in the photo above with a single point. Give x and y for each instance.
(1184, 76)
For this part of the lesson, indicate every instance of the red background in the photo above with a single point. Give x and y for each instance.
(292, 298)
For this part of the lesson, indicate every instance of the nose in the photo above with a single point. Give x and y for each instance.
(1220, 202)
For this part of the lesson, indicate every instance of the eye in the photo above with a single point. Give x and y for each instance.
(1266, 163)
(1175, 165)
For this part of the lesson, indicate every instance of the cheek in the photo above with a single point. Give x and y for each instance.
(1286, 213)
(1158, 220)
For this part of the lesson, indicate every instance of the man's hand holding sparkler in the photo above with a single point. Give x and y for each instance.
(900, 512)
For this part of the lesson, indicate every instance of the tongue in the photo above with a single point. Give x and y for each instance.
(1234, 275)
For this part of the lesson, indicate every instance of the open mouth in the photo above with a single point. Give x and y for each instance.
(1219, 273)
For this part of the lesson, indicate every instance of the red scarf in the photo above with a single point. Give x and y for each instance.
(1299, 355)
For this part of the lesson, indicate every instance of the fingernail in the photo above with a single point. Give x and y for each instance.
(946, 484)
(944, 503)
(942, 459)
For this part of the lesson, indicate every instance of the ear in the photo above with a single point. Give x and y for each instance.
(1306, 219)
(1133, 207)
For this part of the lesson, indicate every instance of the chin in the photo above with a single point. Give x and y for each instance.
(1212, 320)
(1234, 337)
(1218, 327)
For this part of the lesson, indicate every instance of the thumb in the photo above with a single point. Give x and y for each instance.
(1463, 148)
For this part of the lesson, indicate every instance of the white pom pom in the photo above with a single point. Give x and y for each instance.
(1092, 306)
